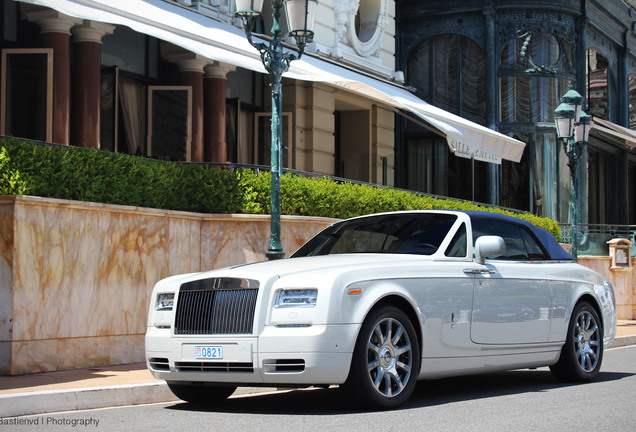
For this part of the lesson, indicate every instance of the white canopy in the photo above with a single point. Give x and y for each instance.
(224, 43)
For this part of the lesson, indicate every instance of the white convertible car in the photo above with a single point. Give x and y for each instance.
(375, 303)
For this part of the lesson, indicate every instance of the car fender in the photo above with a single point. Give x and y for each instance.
(600, 294)
(361, 297)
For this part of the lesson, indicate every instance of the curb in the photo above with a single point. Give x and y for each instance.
(50, 401)
(623, 341)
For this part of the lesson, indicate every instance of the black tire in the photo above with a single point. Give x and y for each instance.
(386, 360)
(582, 354)
(201, 394)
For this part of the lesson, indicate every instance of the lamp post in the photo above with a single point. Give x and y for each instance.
(300, 21)
(573, 129)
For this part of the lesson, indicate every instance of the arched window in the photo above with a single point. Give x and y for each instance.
(449, 71)
(531, 96)
(534, 71)
(534, 52)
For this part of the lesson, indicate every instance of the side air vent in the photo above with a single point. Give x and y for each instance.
(159, 364)
(284, 366)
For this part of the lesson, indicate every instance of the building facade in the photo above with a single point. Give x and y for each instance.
(177, 80)
(101, 84)
(505, 64)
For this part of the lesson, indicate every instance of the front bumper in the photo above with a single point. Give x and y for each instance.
(316, 355)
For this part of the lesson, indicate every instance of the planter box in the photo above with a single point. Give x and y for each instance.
(75, 277)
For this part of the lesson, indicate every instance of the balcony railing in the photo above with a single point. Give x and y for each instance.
(594, 237)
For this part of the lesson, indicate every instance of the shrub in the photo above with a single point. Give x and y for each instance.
(114, 178)
(324, 197)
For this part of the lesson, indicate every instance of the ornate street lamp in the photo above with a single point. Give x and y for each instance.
(573, 129)
(300, 21)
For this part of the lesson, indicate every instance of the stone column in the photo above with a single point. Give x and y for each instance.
(56, 33)
(215, 146)
(87, 38)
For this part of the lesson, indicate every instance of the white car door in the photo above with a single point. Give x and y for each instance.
(511, 298)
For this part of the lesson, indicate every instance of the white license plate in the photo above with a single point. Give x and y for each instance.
(208, 352)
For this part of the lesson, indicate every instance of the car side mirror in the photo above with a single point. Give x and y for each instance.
(489, 247)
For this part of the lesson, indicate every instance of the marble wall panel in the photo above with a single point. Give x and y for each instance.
(228, 240)
(75, 353)
(135, 255)
(82, 245)
(185, 246)
(296, 230)
(78, 353)
(126, 349)
(54, 263)
(5, 357)
(231, 240)
(42, 355)
(34, 356)
(19, 358)
(6, 282)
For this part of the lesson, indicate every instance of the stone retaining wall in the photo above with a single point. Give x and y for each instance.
(76, 277)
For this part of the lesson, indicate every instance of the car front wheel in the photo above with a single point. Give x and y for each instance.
(582, 354)
(385, 361)
(200, 394)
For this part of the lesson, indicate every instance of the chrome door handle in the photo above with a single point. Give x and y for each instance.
(478, 271)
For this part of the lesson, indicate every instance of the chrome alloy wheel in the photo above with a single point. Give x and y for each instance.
(390, 357)
(587, 341)
(582, 353)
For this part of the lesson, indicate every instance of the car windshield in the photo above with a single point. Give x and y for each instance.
(404, 233)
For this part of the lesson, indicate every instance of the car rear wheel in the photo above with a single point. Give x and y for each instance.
(385, 361)
(582, 354)
(200, 394)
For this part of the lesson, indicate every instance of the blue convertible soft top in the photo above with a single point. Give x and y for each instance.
(552, 247)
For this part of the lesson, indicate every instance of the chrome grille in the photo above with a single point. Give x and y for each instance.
(216, 307)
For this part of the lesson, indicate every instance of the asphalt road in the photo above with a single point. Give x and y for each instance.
(512, 401)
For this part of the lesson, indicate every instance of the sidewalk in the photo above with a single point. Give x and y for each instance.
(122, 385)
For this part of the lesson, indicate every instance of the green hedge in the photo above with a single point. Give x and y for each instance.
(114, 178)
(87, 175)
(324, 197)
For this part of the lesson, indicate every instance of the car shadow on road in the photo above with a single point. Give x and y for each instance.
(464, 388)
(317, 401)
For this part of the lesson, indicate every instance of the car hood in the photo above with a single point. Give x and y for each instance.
(327, 263)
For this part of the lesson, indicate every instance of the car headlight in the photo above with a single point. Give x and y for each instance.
(165, 302)
(296, 298)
